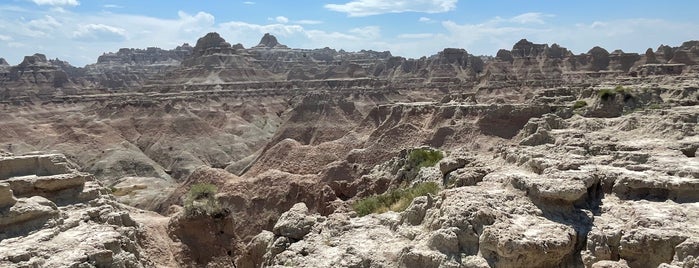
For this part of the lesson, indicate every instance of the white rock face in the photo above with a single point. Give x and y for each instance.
(54, 216)
(599, 193)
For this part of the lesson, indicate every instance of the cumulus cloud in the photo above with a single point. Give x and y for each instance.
(56, 2)
(368, 32)
(99, 32)
(362, 8)
(195, 23)
(239, 28)
(308, 22)
(281, 19)
(532, 17)
(285, 20)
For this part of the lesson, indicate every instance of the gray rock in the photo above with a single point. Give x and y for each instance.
(450, 164)
(416, 211)
(413, 258)
(444, 240)
(295, 223)
(27, 215)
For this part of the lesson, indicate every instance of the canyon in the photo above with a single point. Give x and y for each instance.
(217, 155)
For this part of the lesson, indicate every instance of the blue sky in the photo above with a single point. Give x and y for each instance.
(80, 30)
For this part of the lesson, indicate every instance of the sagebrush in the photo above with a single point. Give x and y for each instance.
(201, 200)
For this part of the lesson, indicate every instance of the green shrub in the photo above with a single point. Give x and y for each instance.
(579, 104)
(606, 93)
(420, 158)
(394, 200)
(201, 200)
(417, 159)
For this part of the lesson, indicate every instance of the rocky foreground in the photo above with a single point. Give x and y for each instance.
(218, 155)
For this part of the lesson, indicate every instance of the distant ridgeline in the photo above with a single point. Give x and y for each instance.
(214, 64)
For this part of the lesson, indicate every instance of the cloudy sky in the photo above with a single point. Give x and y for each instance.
(81, 30)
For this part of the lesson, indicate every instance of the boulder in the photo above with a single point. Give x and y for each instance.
(527, 241)
(295, 223)
(415, 212)
(26, 215)
(255, 251)
(450, 164)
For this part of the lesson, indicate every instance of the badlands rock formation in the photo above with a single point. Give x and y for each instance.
(255, 157)
(52, 215)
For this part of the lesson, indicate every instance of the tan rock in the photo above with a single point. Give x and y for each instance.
(27, 215)
(6, 196)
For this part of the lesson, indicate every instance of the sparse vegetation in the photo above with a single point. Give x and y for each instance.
(654, 106)
(620, 89)
(420, 158)
(579, 104)
(394, 200)
(201, 200)
(606, 94)
(417, 159)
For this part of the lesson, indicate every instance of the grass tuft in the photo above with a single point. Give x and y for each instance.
(579, 104)
(201, 200)
(394, 200)
(420, 158)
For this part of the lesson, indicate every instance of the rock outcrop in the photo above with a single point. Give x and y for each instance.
(587, 197)
(269, 41)
(53, 215)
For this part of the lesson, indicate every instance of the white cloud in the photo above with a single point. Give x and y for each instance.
(368, 32)
(99, 33)
(361, 8)
(532, 17)
(45, 23)
(308, 22)
(238, 28)
(285, 20)
(58, 10)
(416, 36)
(112, 6)
(424, 19)
(56, 2)
(281, 19)
(196, 23)
(249, 3)
(5, 38)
